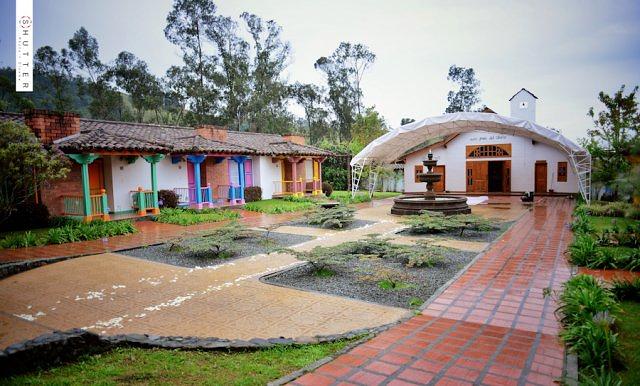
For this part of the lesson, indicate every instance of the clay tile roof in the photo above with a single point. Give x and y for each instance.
(273, 144)
(11, 117)
(98, 135)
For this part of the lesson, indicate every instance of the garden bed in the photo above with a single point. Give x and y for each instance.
(347, 280)
(244, 247)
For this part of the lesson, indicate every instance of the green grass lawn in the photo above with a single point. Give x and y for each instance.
(157, 366)
(601, 222)
(275, 205)
(193, 216)
(345, 196)
(629, 336)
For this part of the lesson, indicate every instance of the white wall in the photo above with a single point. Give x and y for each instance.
(121, 178)
(524, 155)
(265, 172)
(308, 169)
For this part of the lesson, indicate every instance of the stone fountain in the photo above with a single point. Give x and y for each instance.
(414, 204)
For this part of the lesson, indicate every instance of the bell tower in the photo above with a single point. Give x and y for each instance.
(523, 105)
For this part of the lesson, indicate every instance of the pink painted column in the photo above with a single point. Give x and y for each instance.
(294, 176)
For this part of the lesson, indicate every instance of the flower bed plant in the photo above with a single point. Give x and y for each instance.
(611, 209)
(195, 216)
(71, 231)
(603, 245)
(281, 205)
(586, 311)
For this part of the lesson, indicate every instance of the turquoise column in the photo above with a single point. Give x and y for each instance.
(84, 160)
(153, 160)
(196, 160)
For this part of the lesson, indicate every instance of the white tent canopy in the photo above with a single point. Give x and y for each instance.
(387, 148)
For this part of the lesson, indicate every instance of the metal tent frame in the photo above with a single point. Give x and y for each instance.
(387, 148)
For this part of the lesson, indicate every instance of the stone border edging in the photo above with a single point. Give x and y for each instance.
(58, 347)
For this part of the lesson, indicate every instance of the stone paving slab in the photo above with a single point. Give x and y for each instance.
(491, 326)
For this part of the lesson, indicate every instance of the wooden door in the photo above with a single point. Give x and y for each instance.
(96, 176)
(440, 185)
(477, 176)
(506, 176)
(541, 177)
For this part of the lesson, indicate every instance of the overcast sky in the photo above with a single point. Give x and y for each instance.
(565, 52)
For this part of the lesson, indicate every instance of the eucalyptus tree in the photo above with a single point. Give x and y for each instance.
(269, 91)
(187, 25)
(84, 51)
(56, 67)
(312, 99)
(344, 70)
(468, 93)
(132, 75)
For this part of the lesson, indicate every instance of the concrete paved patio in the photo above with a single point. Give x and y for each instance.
(115, 294)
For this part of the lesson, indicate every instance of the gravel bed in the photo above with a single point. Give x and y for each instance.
(244, 247)
(353, 225)
(468, 235)
(348, 282)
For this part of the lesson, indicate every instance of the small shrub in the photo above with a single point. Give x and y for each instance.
(336, 217)
(28, 215)
(436, 222)
(581, 223)
(327, 189)
(415, 302)
(583, 250)
(185, 217)
(593, 342)
(626, 289)
(168, 198)
(252, 193)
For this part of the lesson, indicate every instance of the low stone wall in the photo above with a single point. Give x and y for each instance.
(59, 347)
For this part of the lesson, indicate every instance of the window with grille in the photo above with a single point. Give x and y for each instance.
(562, 172)
(489, 151)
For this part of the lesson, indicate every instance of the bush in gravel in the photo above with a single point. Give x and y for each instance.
(386, 277)
(169, 198)
(185, 217)
(421, 256)
(218, 243)
(335, 217)
(436, 222)
(252, 193)
(585, 310)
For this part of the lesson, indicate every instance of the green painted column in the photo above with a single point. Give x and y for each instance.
(153, 160)
(84, 160)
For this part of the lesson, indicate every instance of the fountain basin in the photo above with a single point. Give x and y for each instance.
(411, 205)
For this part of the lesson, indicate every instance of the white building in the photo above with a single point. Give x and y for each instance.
(483, 152)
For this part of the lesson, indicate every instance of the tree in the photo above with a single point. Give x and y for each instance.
(467, 95)
(24, 166)
(57, 68)
(269, 93)
(406, 121)
(344, 70)
(84, 50)
(366, 128)
(132, 75)
(311, 98)
(614, 136)
(10, 99)
(233, 72)
(187, 24)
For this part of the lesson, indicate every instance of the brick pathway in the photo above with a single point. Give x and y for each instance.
(491, 326)
(150, 232)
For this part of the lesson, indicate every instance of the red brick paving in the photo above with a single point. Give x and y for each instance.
(150, 232)
(491, 326)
